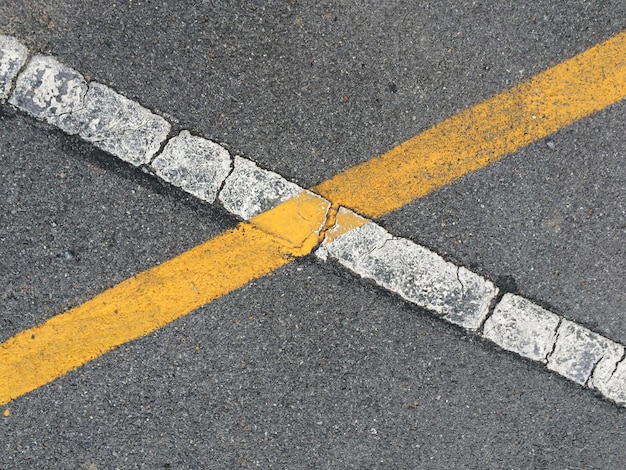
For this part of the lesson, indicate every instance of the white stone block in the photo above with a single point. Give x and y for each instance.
(612, 383)
(196, 165)
(120, 126)
(51, 91)
(415, 273)
(250, 190)
(578, 350)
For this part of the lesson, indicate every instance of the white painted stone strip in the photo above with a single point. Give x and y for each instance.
(250, 190)
(196, 165)
(523, 327)
(49, 90)
(13, 55)
(609, 375)
(415, 273)
(578, 350)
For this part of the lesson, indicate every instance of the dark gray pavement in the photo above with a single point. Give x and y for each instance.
(310, 367)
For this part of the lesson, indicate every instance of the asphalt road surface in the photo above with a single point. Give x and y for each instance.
(310, 367)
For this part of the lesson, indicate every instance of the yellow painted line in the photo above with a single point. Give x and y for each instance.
(463, 143)
(484, 133)
(158, 296)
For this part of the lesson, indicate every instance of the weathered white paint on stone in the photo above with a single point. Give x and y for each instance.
(578, 350)
(609, 378)
(415, 273)
(194, 164)
(477, 293)
(49, 90)
(519, 325)
(13, 55)
(120, 126)
(250, 190)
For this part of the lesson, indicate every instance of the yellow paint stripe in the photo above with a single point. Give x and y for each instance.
(160, 295)
(485, 132)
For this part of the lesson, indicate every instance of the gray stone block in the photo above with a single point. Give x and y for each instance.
(49, 90)
(13, 55)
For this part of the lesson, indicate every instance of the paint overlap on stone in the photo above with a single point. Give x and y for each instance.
(519, 325)
(51, 91)
(345, 221)
(296, 223)
(578, 350)
(250, 190)
(194, 164)
(415, 273)
(13, 55)
(121, 126)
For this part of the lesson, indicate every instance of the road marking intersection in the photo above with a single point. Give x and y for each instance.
(288, 222)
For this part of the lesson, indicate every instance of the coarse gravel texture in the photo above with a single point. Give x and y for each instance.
(305, 91)
(308, 368)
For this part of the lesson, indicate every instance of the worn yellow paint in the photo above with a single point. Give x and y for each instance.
(160, 295)
(345, 221)
(485, 132)
(296, 221)
(463, 143)
(6, 413)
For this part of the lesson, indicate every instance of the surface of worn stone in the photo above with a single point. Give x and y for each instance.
(250, 190)
(415, 273)
(194, 164)
(12, 57)
(121, 126)
(519, 325)
(51, 91)
(609, 378)
(578, 350)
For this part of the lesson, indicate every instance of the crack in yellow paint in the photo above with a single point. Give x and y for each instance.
(485, 132)
(461, 144)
